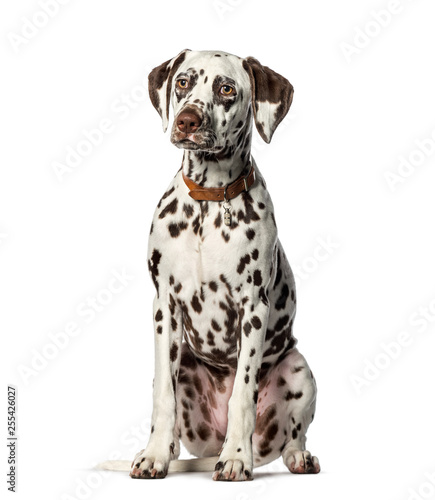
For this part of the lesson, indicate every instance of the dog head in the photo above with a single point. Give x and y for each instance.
(214, 95)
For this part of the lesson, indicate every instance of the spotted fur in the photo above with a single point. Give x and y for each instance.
(229, 381)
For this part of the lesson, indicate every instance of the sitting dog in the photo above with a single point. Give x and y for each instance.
(229, 381)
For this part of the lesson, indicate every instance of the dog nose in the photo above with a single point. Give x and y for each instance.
(188, 122)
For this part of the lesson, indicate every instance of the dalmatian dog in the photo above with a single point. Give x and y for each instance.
(229, 381)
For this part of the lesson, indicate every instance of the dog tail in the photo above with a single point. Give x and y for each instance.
(190, 465)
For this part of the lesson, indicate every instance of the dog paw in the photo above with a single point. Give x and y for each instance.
(232, 470)
(301, 462)
(149, 467)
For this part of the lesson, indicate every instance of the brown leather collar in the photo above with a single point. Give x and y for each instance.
(200, 193)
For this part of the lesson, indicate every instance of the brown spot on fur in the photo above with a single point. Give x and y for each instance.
(226, 237)
(170, 208)
(250, 234)
(197, 383)
(258, 280)
(153, 266)
(246, 259)
(173, 352)
(256, 322)
(293, 395)
(205, 411)
(175, 229)
(263, 420)
(203, 431)
(188, 210)
(196, 304)
(215, 325)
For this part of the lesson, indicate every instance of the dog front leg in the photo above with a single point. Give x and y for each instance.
(153, 462)
(235, 461)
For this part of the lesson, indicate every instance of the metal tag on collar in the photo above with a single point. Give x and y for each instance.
(227, 214)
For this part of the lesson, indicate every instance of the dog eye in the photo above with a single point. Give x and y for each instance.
(183, 84)
(226, 90)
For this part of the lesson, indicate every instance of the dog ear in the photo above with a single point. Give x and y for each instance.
(160, 85)
(272, 96)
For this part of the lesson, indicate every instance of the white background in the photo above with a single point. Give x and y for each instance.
(356, 112)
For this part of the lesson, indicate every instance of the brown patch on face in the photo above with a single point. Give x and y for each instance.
(219, 99)
(191, 76)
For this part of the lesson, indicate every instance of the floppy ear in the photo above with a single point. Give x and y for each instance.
(160, 85)
(272, 96)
